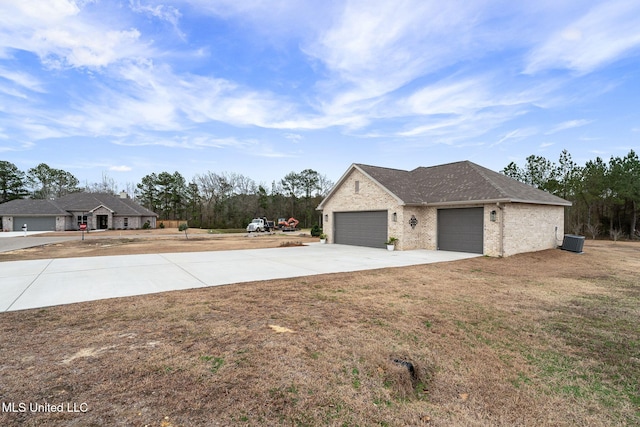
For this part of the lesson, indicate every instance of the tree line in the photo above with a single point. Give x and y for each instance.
(40, 182)
(209, 200)
(605, 195)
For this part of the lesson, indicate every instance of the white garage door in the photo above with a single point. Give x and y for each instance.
(364, 228)
(461, 230)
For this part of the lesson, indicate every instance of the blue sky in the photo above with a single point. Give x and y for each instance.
(261, 88)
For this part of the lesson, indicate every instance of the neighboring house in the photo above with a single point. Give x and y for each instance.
(459, 206)
(97, 210)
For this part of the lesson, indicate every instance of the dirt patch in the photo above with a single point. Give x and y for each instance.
(548, 338)
(129, 242)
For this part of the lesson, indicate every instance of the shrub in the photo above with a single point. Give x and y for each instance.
(316, 230)
(184, 227)
(162, 225)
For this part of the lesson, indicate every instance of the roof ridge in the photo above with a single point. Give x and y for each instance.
(380, 167)
(442, 165)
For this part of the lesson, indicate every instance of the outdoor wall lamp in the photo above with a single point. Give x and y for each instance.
(395, 217)
(493, 216)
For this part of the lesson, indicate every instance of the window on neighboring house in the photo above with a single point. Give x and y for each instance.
(126, 222)
(357, 186)
(82, 219)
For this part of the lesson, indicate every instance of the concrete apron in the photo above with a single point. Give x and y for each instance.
(43, 283)
(6, 234)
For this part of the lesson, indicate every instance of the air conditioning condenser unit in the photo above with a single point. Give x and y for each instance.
(573, 243)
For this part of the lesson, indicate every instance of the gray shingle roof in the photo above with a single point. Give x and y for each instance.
(456, 183)
(74, 202)
(31, 207)
(89, 201)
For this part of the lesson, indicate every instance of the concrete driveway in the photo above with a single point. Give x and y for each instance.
(13, 240)
(43, 283)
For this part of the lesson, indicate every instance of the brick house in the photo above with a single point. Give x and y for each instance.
(459, 207)
(97, 210)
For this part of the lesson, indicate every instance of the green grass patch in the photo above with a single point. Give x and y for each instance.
(215, 362)
(226, 230)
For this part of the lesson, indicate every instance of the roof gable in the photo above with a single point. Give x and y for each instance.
(453, 183)
(365, 173)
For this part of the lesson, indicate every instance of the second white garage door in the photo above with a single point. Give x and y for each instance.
(364, 228)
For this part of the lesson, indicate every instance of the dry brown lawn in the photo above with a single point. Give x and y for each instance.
(548, 338)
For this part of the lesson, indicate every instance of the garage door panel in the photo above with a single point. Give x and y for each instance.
(37, 223)
(461, 230)
(364, 228)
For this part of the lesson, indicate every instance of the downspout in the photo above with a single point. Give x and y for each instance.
(501, 207)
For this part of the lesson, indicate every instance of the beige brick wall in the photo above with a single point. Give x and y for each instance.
(134, 222)
(61, 222)
(424, 235)
(492, 231)
(529, 228)
(7, 223)
(369, 197)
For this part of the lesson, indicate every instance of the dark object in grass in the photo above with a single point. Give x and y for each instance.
(407, 365)
(291, 244)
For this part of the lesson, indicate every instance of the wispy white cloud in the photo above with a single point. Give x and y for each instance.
(15, 146)
(568, 125)
(293, 137)
(372, 51)
(62, 37)
(453, 96)
(454, 130)
(70, 47)
(22, 80)
(159, 11)
(248, 146)
(606, 32)
(273, 20)
(120, 168)
(516, 134)
(268, 151)
(184, 142)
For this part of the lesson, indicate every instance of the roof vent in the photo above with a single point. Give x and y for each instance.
(573, 243)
